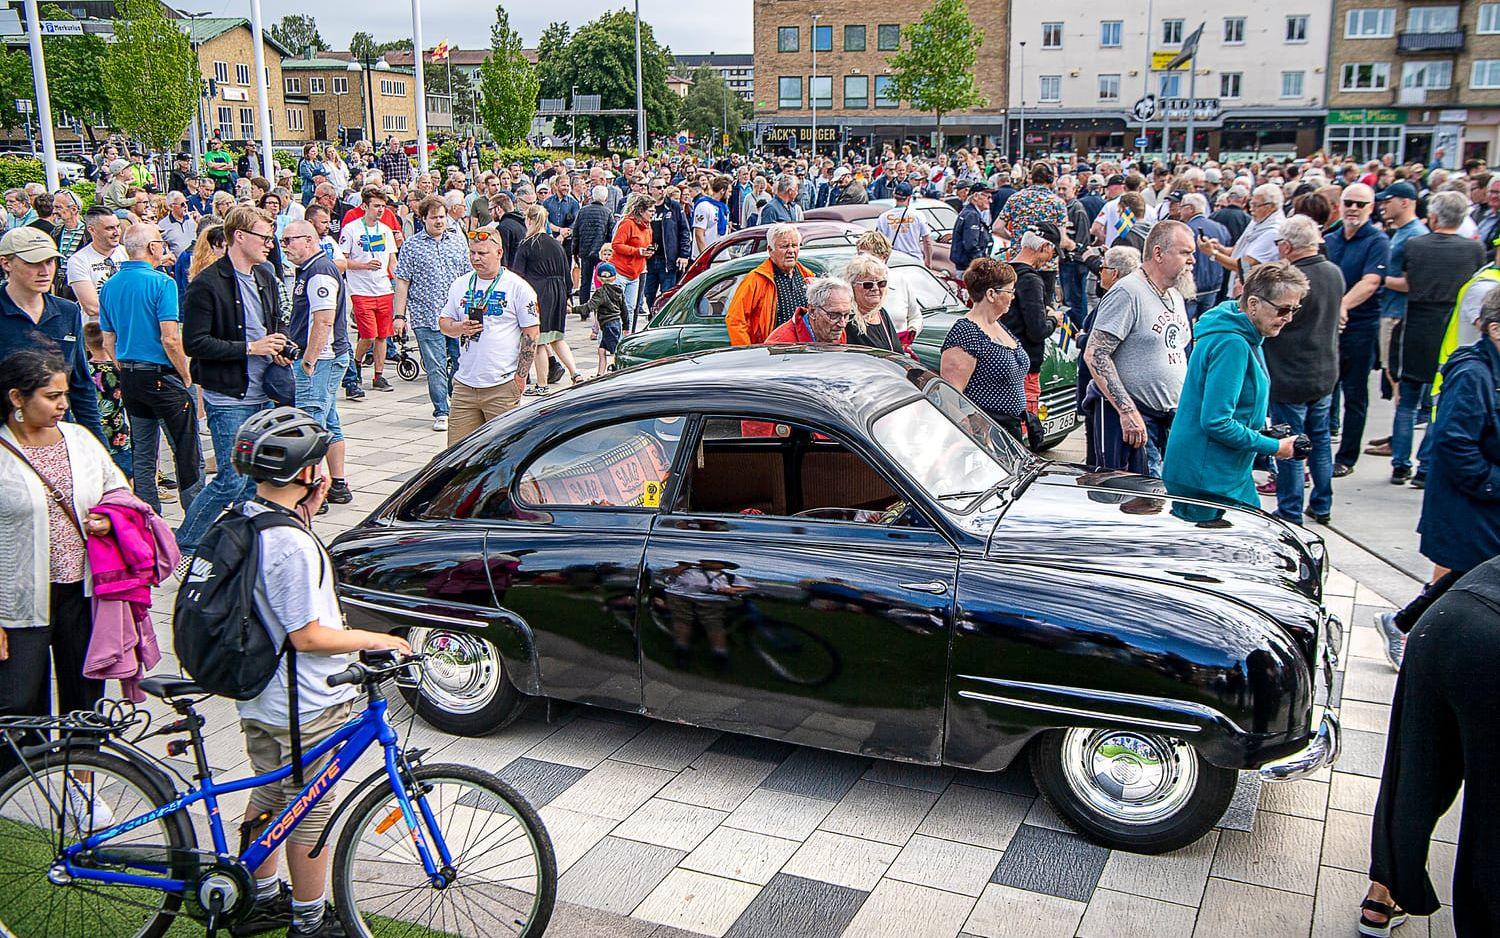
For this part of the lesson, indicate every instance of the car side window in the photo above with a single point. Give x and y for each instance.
(623, 465)
(780, 469)
(714, 302)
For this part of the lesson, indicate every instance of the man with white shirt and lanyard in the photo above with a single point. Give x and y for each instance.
(493, 312)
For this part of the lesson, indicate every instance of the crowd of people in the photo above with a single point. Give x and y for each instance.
(1231, 317)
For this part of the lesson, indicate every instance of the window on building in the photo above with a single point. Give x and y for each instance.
(1432, 20)
(1371, 23)
(1169, 85)
(856, 91)
(887, 38)
(1291, 84)
(393, 123)
(293, 118)
(884, 95)
(1109, 33)
(293, 85)
(854, 39)
(820, 90)
(315, 86)
(1486, 74)
(1051, 89)
(226, 122)
(1364, 142)
(1052, 34)
(1234, 30)
(221, 72)
(1434, 76)
(788, 39)
(789, 91)
(1109, 87)
(242, 74)
(1296, 28)
(1365, 76)
(1489, 18)
(340, 85)
(822, 38)
(1230, 84)
(1171, 32)
(247, 123)
(393, 87)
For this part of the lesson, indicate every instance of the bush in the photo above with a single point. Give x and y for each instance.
(286, 159)
(84, 190)
(17, 171)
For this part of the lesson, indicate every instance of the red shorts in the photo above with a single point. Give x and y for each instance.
(374, 316)
(1033, 391)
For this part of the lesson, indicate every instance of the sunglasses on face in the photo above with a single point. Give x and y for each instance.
(1354, 203)
(871, 284)
(1282, 312)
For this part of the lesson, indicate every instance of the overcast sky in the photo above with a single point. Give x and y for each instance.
(713, 26)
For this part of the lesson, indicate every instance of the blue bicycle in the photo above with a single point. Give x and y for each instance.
(95, 838)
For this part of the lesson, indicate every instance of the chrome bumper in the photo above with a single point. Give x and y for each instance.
(1323, 750)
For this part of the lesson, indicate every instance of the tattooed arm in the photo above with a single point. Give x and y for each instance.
(1100, 352)
(529, 336)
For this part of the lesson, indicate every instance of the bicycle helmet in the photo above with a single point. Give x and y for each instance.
(275, 445)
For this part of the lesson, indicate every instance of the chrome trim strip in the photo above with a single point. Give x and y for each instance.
(1207, 713)
(1322, 750)
(1077, 712)
(412, 613)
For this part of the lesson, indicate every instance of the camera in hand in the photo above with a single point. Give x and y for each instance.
(291, 351)
(1301, 445)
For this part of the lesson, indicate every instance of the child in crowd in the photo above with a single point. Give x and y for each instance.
(607, 304)
(111, 403)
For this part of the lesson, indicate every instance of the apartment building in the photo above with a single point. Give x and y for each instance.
(738, 70)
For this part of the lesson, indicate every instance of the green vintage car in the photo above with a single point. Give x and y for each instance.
(693, 320)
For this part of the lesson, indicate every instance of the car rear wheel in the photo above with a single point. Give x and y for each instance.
(464, 689)
(1129, 789)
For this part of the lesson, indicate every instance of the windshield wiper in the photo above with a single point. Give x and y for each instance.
(971, 494)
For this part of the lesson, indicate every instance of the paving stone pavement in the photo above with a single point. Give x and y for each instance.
(663, 830)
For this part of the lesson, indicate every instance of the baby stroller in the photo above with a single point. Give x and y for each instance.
(408, 361)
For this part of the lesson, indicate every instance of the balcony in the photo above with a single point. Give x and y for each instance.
(1420, 43)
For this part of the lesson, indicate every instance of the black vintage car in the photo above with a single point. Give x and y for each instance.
(833, 547)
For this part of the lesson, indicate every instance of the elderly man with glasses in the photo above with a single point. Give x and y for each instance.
(830, 307)
(1362, 252)
(139, 320)
(1257, 243)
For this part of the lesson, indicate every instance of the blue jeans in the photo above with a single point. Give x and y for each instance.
(1074, 277)
(440, 360)
(1156, 443)
(227, 486)
(632, 291)
(318, 393)
(659, 278)
(1408, 400)
(1311, 419)
(351, 375)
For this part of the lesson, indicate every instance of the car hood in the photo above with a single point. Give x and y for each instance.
(1124, 525)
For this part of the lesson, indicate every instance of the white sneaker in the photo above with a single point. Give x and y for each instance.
(89, 810)
(440, 424)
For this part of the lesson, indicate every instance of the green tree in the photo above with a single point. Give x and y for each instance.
(362, 47)
(435, 77)
(297, 31)
(600, 59)
(15, 82)
(75, 74)
(394, 45)
(508, 85)
(553, 67)
(151, 75)
(705, 108)
(935, 72)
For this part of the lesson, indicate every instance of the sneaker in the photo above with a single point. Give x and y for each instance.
(1267, 487)
(164, 481)
(354, 394)
(331, 927)
(1321, 519)
(88, 808)
(322, 509)
(440, 423)
(339, 493)
(1419, 481)
(380, 384)
(267, 914)
(555, 371)
(1401, 476)
(166, 496)
(1392, 638)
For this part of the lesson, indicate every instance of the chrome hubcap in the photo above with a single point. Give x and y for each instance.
(462, 672)
(1129, 776)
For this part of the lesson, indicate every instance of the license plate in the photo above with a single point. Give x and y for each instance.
(1062, 423)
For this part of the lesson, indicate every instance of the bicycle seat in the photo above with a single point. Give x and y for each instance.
(170, 685)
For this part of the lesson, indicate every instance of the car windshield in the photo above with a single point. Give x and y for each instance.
(919, 282)
(939, 218)
(945, 443)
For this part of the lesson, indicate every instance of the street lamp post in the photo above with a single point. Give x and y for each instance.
(258, 56)
(640, 100)
(421, 95)
(43, 94)
(812, 89)
(573, 120)
(1022, 142)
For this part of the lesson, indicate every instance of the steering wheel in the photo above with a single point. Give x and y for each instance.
(900, 513)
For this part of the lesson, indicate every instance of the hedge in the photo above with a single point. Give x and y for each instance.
(17, 171)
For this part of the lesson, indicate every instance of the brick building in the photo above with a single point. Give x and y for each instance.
(225, 47)
(854, 43)
(1412, 78)
(334, 89)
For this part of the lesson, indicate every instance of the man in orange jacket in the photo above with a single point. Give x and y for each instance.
(772, 293)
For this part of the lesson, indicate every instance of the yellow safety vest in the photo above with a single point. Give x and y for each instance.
(1488, 272)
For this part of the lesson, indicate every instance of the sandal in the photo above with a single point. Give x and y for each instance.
(1394, 917)
(536, 390)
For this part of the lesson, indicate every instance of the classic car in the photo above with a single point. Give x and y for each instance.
(832, 547)
(694, 320)
(753, 241)
(938, 214)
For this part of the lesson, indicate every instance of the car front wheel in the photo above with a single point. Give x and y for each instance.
(1129, 789)
(464, 688)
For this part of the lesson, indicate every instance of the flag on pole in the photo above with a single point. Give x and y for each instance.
(1189, 49)
(441, 51)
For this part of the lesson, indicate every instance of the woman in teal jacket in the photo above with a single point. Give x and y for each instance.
(1216, 433)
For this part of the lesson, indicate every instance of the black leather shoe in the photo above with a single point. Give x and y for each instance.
(1400, 476)
(268, 915)
(1321, 519)
(1419, 481)
(1340, 470)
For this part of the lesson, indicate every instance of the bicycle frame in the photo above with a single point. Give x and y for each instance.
(352, 739)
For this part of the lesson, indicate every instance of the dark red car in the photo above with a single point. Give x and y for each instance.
(753, 241)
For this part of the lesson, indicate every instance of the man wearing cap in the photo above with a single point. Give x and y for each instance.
(180, 179)
(219, 166)
(1399, 206)
(32, 317)
(1107, 226)
(121, 180)
(971, 230)
(904, 227)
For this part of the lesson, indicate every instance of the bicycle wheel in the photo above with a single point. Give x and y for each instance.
(505, 873)
(409, 368)
(31, 906)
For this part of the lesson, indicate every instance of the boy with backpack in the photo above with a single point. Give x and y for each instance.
(295, 602)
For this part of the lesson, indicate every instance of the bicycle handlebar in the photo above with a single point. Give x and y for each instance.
(374, 666)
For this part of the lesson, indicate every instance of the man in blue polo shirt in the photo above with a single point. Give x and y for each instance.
(138, 316)
(1398, 203)
(32, 317)
(1361, 251)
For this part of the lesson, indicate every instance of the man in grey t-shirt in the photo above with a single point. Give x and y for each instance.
(1138, 351)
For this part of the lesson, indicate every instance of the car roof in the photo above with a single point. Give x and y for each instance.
(813, 228)
(822, 256)
(845, 212)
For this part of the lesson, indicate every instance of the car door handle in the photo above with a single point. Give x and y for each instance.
(936, 587)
